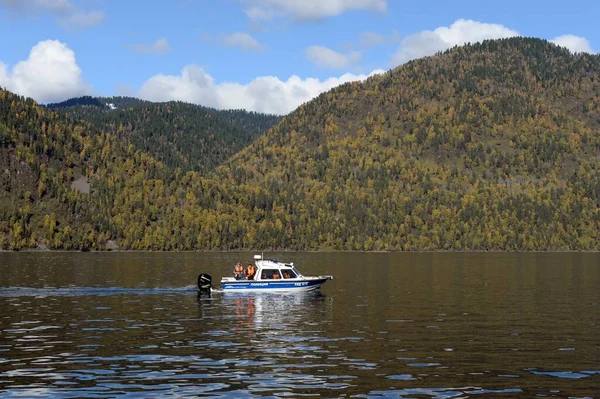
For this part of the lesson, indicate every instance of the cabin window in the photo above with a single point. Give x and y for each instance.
(270, 274)
(289, 273)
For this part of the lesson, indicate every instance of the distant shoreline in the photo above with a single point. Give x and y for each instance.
(295, 251)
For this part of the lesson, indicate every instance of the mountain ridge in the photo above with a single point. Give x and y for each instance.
(490, 146)
(181, 135)
(440, 140)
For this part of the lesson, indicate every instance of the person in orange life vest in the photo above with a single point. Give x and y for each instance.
(238, 272)
(250, 271)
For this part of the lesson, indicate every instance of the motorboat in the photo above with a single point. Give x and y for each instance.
(271, 276)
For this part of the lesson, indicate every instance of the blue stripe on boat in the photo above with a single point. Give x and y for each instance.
(249, 285)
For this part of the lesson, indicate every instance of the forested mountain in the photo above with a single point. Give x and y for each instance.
(492, 146)
(85, 101)
(68, 183)
(100, 102)
(487, 146)
(181, 135)
(41, 152)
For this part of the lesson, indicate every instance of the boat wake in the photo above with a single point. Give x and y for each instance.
(92, 291)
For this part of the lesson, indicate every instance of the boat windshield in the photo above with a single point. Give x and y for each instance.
(289, 273)
(268, 274)
(295, 272)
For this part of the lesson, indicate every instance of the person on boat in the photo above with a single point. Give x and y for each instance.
(287, 274)
(276, 275)
(238, 272)
(250, 271)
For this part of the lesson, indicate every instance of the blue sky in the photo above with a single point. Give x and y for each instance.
(264, 55)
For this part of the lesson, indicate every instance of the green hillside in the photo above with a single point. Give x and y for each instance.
(492, 146)
(68, 183)
(80, 105)
(181, 135)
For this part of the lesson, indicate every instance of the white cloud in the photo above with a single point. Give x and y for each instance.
(239, 40)
(49, 74)
(372, 39)
(369, 39)
(460, 32)
(306, 10)
(575, 44)
(324, 57)
(4, 78)
(263, 94)
(243, 41)
(125, 89)
(161, 46)
(60, 7)
(82, 19)
(67, 14)
(193, 86)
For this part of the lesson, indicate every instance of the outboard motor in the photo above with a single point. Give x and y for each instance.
(204, 283)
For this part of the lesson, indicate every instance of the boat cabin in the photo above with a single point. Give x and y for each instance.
(272, 269)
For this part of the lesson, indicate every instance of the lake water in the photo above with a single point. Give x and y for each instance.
(419, 325)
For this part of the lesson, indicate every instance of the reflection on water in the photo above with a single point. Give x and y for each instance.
(390, 325)
(277, 312)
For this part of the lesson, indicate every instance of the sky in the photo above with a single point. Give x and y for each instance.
(261, 55)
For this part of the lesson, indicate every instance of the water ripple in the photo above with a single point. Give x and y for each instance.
(441, 393)
(429, 334)
(41, 293)
(561, 374)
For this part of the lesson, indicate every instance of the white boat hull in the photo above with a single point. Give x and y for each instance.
(229, 284)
